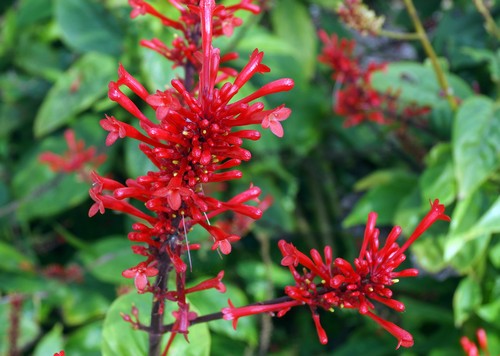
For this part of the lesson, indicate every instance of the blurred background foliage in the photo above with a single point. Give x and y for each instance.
(61, 271)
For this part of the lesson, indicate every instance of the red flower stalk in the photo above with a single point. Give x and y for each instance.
(325, 283)
(195, 138)
(77, 159)
(354, 96)
(184, 48)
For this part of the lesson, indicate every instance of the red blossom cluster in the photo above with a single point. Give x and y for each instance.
(327, 283)
(186, 47)
(471, 348)
(354, 96)
(77, 159)
(195, 139)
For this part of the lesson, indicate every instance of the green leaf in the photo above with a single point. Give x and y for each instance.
(476, 143)
(292, 22)
(489, 223)
(51, 193)
(429, 253)
(382, 199)
(119, 338)
(12, 260)
(85, 341)
(438, 179)
(490, 57)
(75, 91)
(466, 300)
(80, 305)
(87, 26)
(490, 312)
(495, 255)
(51, 343)
(109, 257)
(418, 83)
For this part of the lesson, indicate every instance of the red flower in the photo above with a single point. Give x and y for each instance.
(77, 159)
(322, 282)
(471, 348)
(140, 274)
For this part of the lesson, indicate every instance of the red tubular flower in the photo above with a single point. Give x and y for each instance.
(322, 282)
(354, 96)
(233, 313)
(77, 159)
(471, 349)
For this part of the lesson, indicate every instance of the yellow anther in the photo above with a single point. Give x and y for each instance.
(174, 216)
(204, 132)
(395, 280)
(182, 212)
(185, 133)
(175, 161)
(175, 174)
(331, 310)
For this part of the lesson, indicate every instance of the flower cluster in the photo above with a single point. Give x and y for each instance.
(328, 283)
(359, 17)
(354, 96)
(77, 159)
(471, 348)
(186, 47)
(195, 139)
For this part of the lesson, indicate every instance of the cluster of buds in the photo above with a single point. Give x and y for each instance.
(327, 283)
(354, 96)
(194, 139)
(360, 17)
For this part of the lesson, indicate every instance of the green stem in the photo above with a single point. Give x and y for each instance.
(491, 25)
(441, 78)
(399, 35)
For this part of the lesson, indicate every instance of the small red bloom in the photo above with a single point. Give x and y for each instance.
(60, 353)
(140, 273)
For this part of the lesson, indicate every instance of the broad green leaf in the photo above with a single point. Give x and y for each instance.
(495, 255)
(85, 341)
(429, 253)
(466, 300)
(465, 246)
(116, 331)
(210, 301)
(109, 257)
(382, 199)
(51, 343)
(87, 26)
(80, 305)
(476, 143)
(488, 223)
(12, 260)
(75, 91)
(418, 84)
(438, 179)
(484, 55)
(490, 312)
(294, 25)
(51, 193)
(32, 11)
